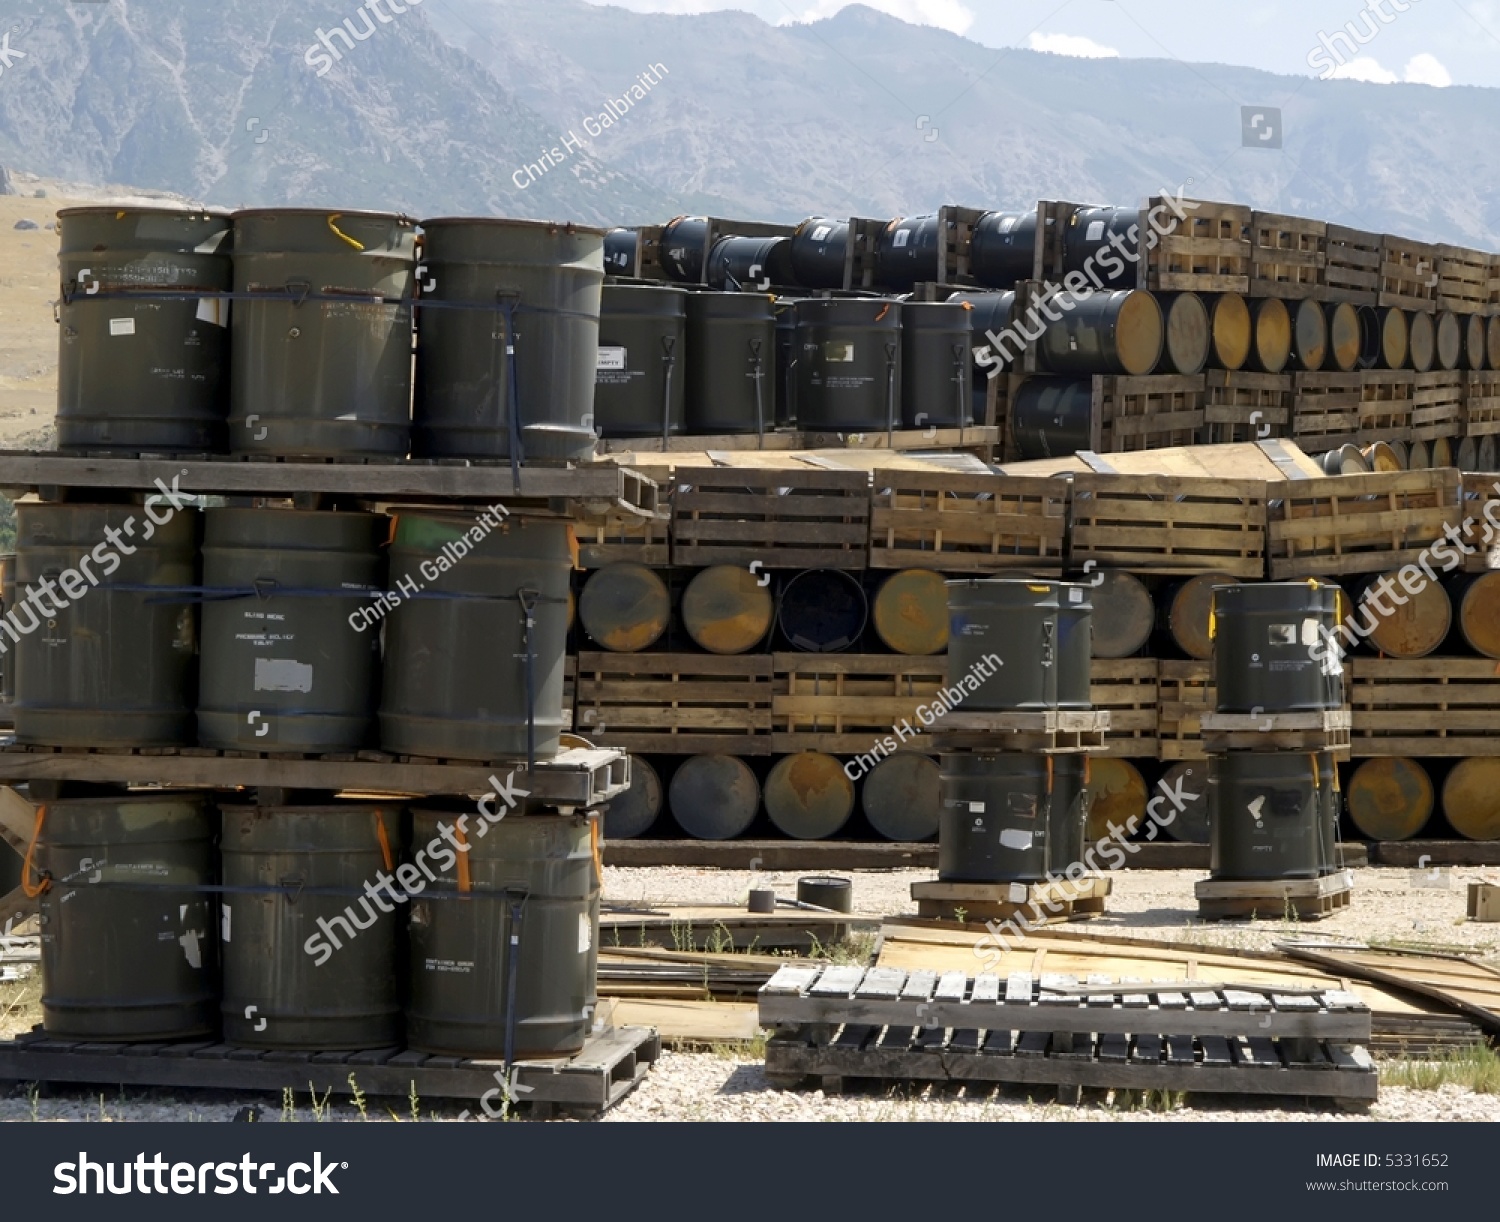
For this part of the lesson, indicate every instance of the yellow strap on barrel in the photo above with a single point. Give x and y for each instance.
(333, 225)
(385, 841)
(597, 846)
(573, 548)
(27, 889)
(1213, 616)
(1049, 774)
(1316, 783)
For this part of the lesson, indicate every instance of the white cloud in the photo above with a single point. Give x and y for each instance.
(1425, 69)
(1365, 69)
(950, 15)
(1072, 44)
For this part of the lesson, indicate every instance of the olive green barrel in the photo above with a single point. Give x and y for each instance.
(114, 666)
(849, 364)
(641, 376)
(1002, 249)
(129, 923)
(505, 941)
(1391, 799)
(1018, 644)
(1103, 243)
(1267, 812)
(290, 644)
(322, 347)
(143, 359)
(731, 363)
(1104, 333)
(625, 607)
(910, 612)
(1052, 417)
(809, 796)
(1124, 613)
(1185, 817)
(714, 797)
(634, 812)
(309, 955)
(1067, 819)
(475, 657)
(994, 821)
(901, 796)
(1187, 335)
(727, 609)
(507, 337)
(937, 365)
(1270, 641)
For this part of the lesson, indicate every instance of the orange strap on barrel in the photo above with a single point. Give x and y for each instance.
(27, 889)
(385, 841)
(395, 521)
(1049, 773)
(1314, 758)
(573, 548)
(596, 844)
(465, 882)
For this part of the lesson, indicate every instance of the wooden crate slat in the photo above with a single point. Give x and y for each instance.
(1481, 402)
(1169, 524)
(672, 695)
(1351, 270)
(1408, 273)
(1438, 404)
(1463, 279)
(1288, 255)
(1358, 523)
(812, 696)
(1208, 250)
(1424, 706)
(1148, 413)
(962, 523)
(1246, 407)
(1185, 691)
(785, 518)
(1127, 687)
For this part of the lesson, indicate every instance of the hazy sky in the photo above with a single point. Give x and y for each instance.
(1431, 42)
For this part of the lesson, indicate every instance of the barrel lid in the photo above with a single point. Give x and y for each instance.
(508, 223)
(369, 214)
(122, 210)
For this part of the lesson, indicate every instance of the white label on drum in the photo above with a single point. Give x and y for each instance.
(1008, 223)
(1096, 231)
(224, 923)
(1282, 634)
(611, 358)
(1075, 596)
(282, 675)
(585, 933)
(838, 353)
(1309, 631)
(821, 232)
(901, 236)
(976, 808)
(1013, 838)
(122, 326)
(213, 310)
(1019, 893)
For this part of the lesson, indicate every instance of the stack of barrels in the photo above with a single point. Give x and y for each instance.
(1012, 816)
(288, 333)
(1273, 813)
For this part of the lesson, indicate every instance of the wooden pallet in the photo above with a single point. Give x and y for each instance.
(1481, 402)
(611, 1065)
(1325, 731)
(1208, 252)
(1154, 412)
(576, 778)
(862, 254)
(961, 523)
(1185, 692)
(1358, 523)
(1326, 410)
(1438, 405)
(1310, 899)
(627, 537)
(1422, 707)
(594, 485)
(1288, 255)
(1046, 903)
(1478, 539)
(1126, 688)
(1166, 524)
(955, 237)
(1408, 273)
(781, 518)
(1246, 407)
(977, 438)
(889, 1024)
(675, 703)
(726, 928)
(846, 703)
(1387, 403)
(1351, 270)
(1050, 732)
(1463, 280)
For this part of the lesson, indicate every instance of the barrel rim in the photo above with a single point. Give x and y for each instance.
(361, 213)
(215, 214)
(502, 222)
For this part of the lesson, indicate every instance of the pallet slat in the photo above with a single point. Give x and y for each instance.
(967, 523)
(1164, 524)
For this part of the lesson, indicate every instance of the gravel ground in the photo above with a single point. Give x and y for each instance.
(729, 1086)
